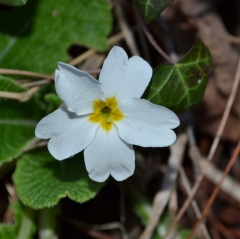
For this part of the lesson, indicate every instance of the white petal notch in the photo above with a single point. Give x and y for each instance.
(108, 155)
(123, 77)
(76, 88)
(106, 117)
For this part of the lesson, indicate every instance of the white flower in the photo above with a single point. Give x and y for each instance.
(106, 117)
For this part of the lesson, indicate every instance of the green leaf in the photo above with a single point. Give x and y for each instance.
(24, 226)
(151, 9)
(42, 180)
(182, 85)
(36, 36)
(53, 101)
(7, 84)
(17, 124)
(13, 2)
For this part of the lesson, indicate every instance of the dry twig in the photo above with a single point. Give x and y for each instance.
(212, 151)
(22, 73)
(216, 190)
(93, 230)
(234, 39)
(128, 36)
(162, 197)
(221, 228)
(194, 204)
(22, 96)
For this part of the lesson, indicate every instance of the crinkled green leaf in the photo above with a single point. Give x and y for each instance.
(17, 124)
(36, 36)
(13, 2)
(151, 9)
(182, 85)
(24, 226)
(7, 84)
(42, 180)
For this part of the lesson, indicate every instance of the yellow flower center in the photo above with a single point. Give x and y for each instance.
(106, 113)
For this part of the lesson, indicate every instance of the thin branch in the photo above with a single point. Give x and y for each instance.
(229, 185)
(35, 83)
(153, 42)
(128, 36)
(22, 73)
(111, 41)
(162, 197)
(94, 229)
(194, 204)
(216, 190)
(221, 228)
(82, 57)
(22, 96)
(141, 36)
(234, 39)
(226, 112)
(112, 226)
(10, 95)
(116, 38)
(212, 150)
(94, 71)
(44, 82)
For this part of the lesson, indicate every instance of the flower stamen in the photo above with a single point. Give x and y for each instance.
(106, 113)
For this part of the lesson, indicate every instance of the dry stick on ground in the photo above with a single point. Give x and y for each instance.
(128, 36)
(234, 39)
(141, 36)
(221, 228)
(111, 41)
(95, 228)
(22, 73)
(162, 197)
(43, 82)
(112, 226)
(216, 190)
(24, 96)
(194, 204)
(229, 185)
(212, 150)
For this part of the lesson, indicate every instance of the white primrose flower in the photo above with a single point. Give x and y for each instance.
(106, 117)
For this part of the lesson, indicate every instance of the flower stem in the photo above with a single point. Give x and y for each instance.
(47, 223)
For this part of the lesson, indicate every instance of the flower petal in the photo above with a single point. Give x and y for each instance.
(124, 78)
(77, 89)
(146, 124)
(69, 133)
(109, 154)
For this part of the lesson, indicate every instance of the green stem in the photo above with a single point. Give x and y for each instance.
(47, 223)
